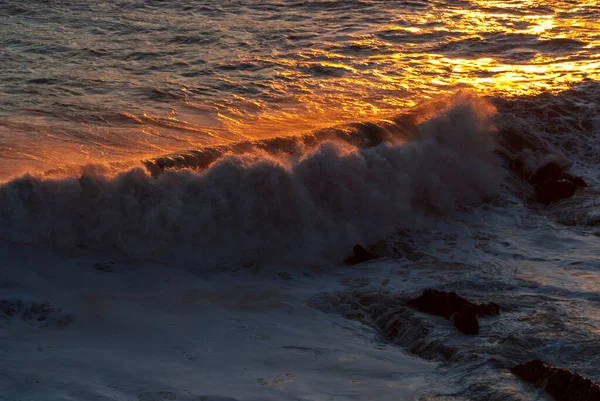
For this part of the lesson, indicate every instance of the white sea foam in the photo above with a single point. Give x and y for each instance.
(261, 207)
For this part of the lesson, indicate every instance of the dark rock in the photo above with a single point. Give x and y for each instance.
(360, 255)
(466, 321)
(445, 304)
(580, 182)
(460, 311)
(553, 171)
(550, 171)
(552, 183)
(562, 384)
(396, 322)
(550, 191)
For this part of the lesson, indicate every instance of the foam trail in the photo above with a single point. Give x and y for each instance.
(296, 207)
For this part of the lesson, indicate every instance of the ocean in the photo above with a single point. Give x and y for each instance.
(182, 181)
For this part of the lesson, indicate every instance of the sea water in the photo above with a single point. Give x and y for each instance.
(183, 180)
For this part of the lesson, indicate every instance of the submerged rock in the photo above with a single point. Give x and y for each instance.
(460, 311)
(360, 255)
(551, 183)
(562, 384)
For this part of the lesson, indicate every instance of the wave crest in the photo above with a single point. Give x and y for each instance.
(268, 206)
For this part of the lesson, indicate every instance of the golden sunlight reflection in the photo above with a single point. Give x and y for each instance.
(508, 48)
(300, 69)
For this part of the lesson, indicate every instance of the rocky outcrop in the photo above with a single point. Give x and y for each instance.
(551, 191)
(562, 384)
(551, 184)
(552, 171)
(401, 324)
(393, 319)
(460, 311)
(360, 255)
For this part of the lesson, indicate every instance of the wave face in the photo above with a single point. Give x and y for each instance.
(260, 205)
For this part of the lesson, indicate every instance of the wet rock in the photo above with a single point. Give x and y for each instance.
(360, 255)
(562, 384)
(460, 311)
(551, 184)
(396, 322)
(552, 191)
(553, 171)
(466, 321)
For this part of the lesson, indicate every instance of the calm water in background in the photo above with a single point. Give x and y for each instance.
(92, 82)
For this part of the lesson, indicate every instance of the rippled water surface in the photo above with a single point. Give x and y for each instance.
(276, 135)
(118, 80)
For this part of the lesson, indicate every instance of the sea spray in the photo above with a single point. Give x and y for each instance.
(265, 207)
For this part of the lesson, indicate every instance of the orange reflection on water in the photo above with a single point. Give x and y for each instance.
(269, 73)
(508, 48)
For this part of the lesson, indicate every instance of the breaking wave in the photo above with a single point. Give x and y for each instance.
(309, 198)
